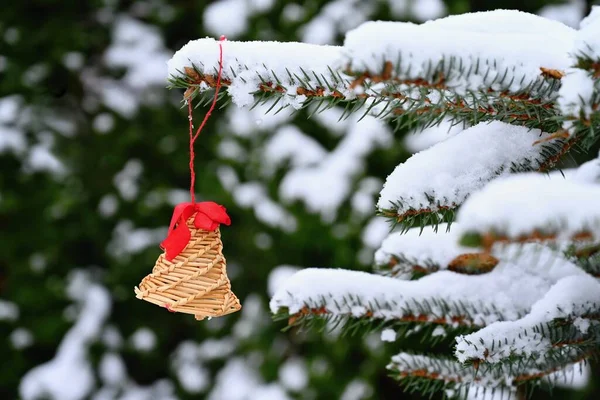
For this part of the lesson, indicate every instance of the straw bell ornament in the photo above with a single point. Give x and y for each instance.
(190, 276)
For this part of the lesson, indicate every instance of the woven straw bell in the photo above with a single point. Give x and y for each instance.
(195, 281)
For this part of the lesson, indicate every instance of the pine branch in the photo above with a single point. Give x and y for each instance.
(579, 100)
(564, 321)
(569, 212)
(420, 252)
(496, 149)
(431, 374)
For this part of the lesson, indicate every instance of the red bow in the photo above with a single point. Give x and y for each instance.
(208, 217)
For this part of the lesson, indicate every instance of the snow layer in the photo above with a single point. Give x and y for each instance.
(570, 297)
(587, 40)
(420, 248)
(578, 90)
(588, 172)
(456, 167)
(523, 203)
(520, 48)
(423, 139)
(505, 293)
(55, 378)
(245, 63)
(575, 94)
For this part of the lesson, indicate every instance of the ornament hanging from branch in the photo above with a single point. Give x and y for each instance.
(190, 276)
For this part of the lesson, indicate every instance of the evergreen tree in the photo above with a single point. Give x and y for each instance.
(523, 305)
(93, 152)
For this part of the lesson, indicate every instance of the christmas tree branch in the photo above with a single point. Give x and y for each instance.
(564, 321)
(494, 148)
(569, 212)
(419, 252)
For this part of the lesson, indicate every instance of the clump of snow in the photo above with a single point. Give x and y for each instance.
(524, 203)
(140, 48)
(245, 63)
(335, 170)
(575, 377)
(248, 383)
(425, 10)
(452, 173)
(126, 180)
(388, 335)
(192, 375)
(357, 389)
(569, 13)
(21, 338)
(289, 144)
(588, 172)
(520, 48)
(8, 311)
(570, 297)
(505, 293)
(422, 139)
(112, 369)
(12, 138)
(254, 195)
(129, 240)
(587, 40)
(426, 248)
(55, 378)
(575, 93)
(143, 339)
(278, 275)
(293, 374)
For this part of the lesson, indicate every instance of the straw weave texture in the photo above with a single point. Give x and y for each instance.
(194, 282)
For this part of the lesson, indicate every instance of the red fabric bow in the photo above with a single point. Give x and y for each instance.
(208, 217)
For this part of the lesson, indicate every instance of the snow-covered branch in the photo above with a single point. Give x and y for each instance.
(421, 252)
(458, 166)
(531, 207)
(448, 298)
(564, 320)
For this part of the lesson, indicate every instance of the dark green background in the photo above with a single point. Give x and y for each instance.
(77, 236)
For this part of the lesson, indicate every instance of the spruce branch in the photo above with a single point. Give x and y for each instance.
(467, 263)
(407, 208)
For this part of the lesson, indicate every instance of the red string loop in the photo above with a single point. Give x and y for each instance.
(193, 136)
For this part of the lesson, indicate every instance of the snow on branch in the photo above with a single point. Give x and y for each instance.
(421, 252)
(447, 67)
(292, 71)
(430, 374)
(563, 324)
(531, 207)
(442, 177)
(456, 50)
(579, 95)
(447, 298)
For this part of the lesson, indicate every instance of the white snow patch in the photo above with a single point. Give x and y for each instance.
(567, 208)
(55, 378)
(388, 335)
(453, 174)
(143, 339)
(568, 298)
(422, 139)
(248, 60)
(520, 47)
(505, 293)
(278, 276)
(8, 311)
(293, 374)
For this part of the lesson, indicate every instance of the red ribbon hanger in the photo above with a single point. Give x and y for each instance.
(208, 214)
